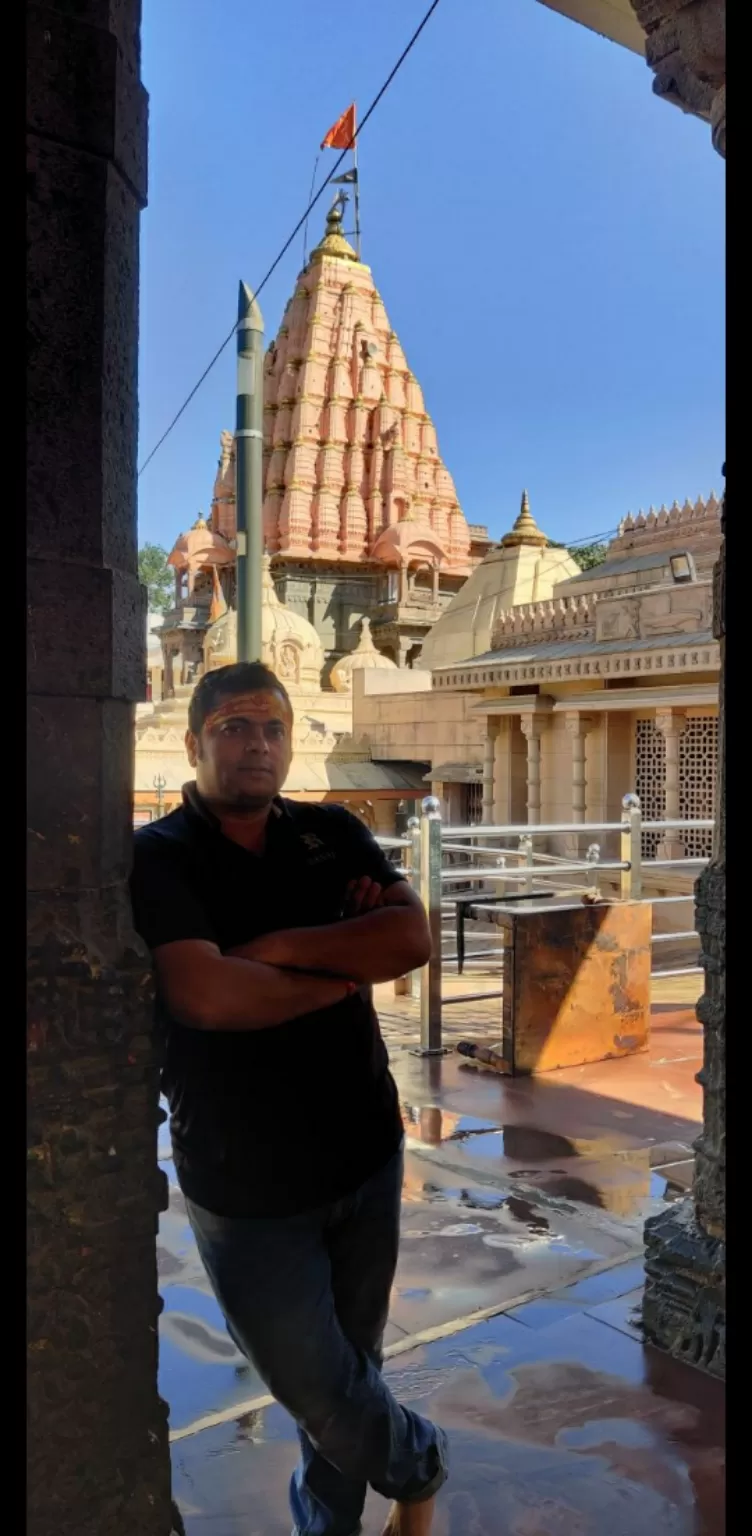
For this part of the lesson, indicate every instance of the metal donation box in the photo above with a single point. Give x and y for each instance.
(576, 983)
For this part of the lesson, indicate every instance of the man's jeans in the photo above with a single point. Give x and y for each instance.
(306, 1299)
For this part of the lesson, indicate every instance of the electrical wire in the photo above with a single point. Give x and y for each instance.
(301, 221)
(591, 538)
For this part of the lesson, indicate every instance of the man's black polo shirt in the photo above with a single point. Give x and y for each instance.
(274, 1121)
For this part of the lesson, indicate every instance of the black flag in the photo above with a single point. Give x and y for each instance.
(345, 181)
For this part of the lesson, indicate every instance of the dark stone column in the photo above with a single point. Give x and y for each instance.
(684, 1308)
(98, 1460)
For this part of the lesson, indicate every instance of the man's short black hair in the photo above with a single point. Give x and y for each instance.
(240, 677)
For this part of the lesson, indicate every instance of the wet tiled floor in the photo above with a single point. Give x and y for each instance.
(561, 1424)
(512, 1187)
(526, 1195)
(463, 1250)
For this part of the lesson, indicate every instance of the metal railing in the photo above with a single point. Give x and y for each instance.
(531, 874)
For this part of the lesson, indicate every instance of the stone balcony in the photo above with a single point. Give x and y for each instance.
(417, 607)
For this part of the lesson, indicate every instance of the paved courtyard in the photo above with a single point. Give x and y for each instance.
(514, 1312)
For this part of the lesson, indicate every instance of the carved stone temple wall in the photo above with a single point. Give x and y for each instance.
(684, 1307)
(98, 1456)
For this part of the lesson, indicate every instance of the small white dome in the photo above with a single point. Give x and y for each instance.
(289, 644)
(364, 656)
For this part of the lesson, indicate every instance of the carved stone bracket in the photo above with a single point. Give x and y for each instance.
(685, 46)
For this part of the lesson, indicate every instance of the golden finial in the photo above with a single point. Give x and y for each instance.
(334, 242)
(525, 529)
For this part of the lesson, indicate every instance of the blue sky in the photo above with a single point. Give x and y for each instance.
(547, 236)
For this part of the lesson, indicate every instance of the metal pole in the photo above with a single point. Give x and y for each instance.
(593, 856)
(526, 849)
(430, 890)
(412, 860)
(356, 203)
(310, 199)
(631, 848)
(356, 185)
(160, 784)
(248, 471)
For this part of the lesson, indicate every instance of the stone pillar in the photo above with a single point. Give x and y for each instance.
(684, 1307)
(98, 1457)
(435, 584)
(489, 751)
(671, 723)
(169, 677)
(578, 726)
(503, 772)
(532, 729)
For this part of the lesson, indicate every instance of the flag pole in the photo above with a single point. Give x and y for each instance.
(310, 196)
(357, 194)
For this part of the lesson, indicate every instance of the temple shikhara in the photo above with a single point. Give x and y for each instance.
(361, 515)
(366, 542)
(419, 654)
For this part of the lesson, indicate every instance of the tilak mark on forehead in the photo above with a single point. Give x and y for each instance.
(262, 704)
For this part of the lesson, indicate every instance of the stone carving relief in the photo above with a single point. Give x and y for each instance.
(619, 620)
(668, 611)
(685, 616)
(288, 664)
(315, 735)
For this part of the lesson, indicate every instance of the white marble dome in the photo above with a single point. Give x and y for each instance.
(289, 644)
(364, 657)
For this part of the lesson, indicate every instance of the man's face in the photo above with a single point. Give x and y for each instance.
(242, 754)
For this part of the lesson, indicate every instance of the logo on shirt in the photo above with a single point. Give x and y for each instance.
(317, 850)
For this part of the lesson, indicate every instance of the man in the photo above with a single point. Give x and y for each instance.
(268, 921)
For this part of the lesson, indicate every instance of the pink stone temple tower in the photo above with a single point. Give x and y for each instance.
(361, 516)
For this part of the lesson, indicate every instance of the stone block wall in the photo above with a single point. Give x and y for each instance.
(417, 726)
(98, 1459)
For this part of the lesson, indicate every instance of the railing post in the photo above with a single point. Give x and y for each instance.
(631, 848)
(412, 861)
(526, 850)
(430, 891)
(593, 857)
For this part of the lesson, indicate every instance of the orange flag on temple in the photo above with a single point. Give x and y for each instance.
(342, 134)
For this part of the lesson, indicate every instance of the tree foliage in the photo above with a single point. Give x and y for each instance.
(584, 555)
(156, 576)
(588, 555)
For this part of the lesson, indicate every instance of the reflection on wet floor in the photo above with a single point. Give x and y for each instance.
(515, 1191)
(563, 1426)
(477, 1232)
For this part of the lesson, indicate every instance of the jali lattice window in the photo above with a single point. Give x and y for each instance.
(698, 762)
(473, 805)
(650, 779)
